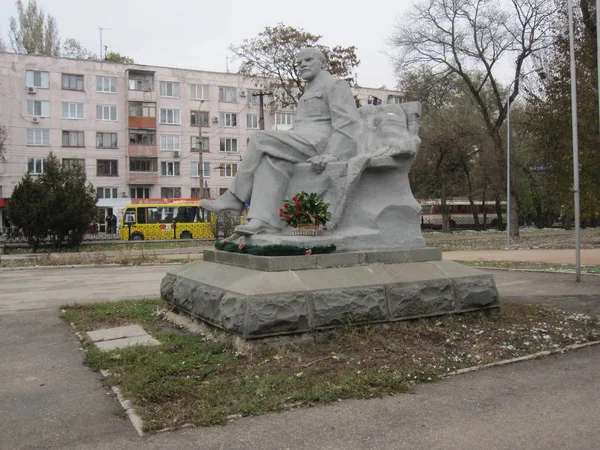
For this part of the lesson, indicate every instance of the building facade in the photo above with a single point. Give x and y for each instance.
(136, 129)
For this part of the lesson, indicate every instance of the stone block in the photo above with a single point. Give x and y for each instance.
(476, 292)
(386, 257)
(340, 259)
(146, 339)
(338, 307)
(108, 334)
(199, 299)
(209, 255)
(232, 312)
(424, 254)
(281, 314)
(420, 298)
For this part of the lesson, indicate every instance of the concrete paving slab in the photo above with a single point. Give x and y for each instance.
(127, 342)
(109, 334)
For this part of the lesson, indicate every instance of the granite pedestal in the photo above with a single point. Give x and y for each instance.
(258, 296)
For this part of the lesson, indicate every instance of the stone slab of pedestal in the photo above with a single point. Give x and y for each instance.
(253, 303)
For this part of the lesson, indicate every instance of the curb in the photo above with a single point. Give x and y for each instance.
(135, 420)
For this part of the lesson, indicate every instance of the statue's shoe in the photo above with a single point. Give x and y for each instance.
(224, 203)
(255, 226)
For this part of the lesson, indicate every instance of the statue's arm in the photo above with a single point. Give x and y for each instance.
(345, 121)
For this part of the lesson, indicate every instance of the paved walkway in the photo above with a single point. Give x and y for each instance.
(567, 256)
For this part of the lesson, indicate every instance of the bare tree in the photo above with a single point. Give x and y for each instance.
(269, 60)
(467, 37)
(33, 32)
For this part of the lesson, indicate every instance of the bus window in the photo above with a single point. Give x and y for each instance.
(152, 215)
(129, 216)
(141, 215)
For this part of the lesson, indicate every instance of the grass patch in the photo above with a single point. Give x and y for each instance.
(190, 379)
(523, 265)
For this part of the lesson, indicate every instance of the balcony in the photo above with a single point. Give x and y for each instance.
(142, 122)
(138, 150)
(142, 178)
(141, 96)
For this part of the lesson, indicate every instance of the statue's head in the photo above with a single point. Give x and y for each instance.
(309, 62)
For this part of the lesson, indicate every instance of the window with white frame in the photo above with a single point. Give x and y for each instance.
(35, 166)
(169, 168)
(169, 89)
(71, 163)
(170, 142)
(194, 169)
(72, 110)
(170, 192)
(139, 192)
(170, 116)
(107, 192)
(229, 145)
(72, 139)
(228, 170)
(107, 168)
(199, 118)
(38, 136)
(39, 108)
(106, 84)
(253, 97)
(106, 112)
(227, 119)
(227, 94)
(394, 99)
(252, 121)
(37, 79)
(199, 91)
(284, 118)
(194, 144)
(72, 82)
(106, 140)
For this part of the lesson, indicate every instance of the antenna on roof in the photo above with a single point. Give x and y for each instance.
(101, 30)
(227, 64)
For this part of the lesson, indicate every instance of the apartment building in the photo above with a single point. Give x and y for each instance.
(136, 129)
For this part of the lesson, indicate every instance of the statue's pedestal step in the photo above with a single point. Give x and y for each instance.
(253, 303)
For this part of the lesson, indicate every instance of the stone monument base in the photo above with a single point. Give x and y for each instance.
(257, 296)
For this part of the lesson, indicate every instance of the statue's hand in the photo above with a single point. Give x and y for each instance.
(320, 162)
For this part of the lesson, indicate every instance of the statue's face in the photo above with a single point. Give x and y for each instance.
(308, 65)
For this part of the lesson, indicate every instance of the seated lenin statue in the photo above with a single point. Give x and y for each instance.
(327, 129)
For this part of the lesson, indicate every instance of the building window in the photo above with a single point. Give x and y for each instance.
(106, 112)
(227, 170)
(169, 169)
(170, 116)
(72, 110)
(140, 109)
(142, 137)
(72, 139)
(284, 118)
(37, 79)
(170, 142)
(106, 84)
(140, 192)
(143, 165)
(228, 145)
(35, 166)
(194, 169)
(227, 94)
(169, 89)
(170, 192)
(227, 119)
(140, 83)
(38, 136)
(71, 163)
(107, 168)
(107, 192)
(253, 97)
(72, 82)
(394, 99)
(199, 118)
(252, 121)
(194, 144)
(39, 108)
(106, 140)
(199, 92)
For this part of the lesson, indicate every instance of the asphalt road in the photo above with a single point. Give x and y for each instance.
(49, 400)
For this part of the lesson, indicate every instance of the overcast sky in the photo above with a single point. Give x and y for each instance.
(196, 34)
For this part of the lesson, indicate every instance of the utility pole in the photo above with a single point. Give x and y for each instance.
(101, 30)
(200, 150)
(261, 111)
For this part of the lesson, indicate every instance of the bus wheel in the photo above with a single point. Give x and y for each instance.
(137, 236)
(185, 235)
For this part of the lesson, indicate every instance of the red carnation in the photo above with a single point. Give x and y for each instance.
(298, 212)
(298, 204)
(287, 216)
(280, 210)
(241, 246)
(308, 252)
(285, 205)
(324, 228)
(280, 213)
(295, 198)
